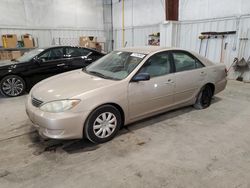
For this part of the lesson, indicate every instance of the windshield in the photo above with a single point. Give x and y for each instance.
(116, 65)
(29, 55)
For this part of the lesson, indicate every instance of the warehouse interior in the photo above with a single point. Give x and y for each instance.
(183, 147)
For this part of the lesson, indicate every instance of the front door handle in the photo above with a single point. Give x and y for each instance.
(170, 81)
(60, 65)
(203, 73)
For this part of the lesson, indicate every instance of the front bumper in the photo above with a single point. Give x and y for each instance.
(65, 125)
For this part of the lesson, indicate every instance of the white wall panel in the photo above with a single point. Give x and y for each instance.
(205, 9)
(49, 19)
(136, 36)
(139, 12)
(52, 13)
(142, 17)
(186, 35)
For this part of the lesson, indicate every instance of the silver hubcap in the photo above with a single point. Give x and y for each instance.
(12, 86)
(105, 125)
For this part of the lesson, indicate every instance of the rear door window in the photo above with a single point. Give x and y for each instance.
(184, 62)
(76, 52)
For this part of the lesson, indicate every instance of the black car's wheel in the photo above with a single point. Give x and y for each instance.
(103, 124)
(204, 98)
(12, 86)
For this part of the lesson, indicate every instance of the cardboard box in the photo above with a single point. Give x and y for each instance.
(8, 55)
(92, 45)
(98, 47)
(15, 54)
(28, 41)
(4, 55)
(89, 45)
(86, 40)
(9, 41)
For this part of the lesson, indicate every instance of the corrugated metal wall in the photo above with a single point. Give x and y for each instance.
(189, 32)
(185, 34)
(135, 36)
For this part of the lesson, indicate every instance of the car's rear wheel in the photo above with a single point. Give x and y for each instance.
(12, 86)
(103, 124)
(204, 98)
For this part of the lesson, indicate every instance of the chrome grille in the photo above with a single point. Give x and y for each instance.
(35, 102)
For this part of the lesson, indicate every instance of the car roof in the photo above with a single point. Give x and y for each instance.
(145, 49)
(65, 46)
(153, 49)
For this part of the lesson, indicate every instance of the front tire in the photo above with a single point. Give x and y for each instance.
(103, 124)
(204, 98)
(12, 86)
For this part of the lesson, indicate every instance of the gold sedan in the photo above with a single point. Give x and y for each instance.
(122, 87)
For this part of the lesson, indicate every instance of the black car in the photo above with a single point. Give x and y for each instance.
(19, 75)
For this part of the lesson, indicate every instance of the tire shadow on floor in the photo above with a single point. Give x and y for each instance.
(161, 117)
(84, 145)
(42, 145)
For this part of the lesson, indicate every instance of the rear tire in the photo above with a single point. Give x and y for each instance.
(103, 124)
(204, 98)
(12, 86)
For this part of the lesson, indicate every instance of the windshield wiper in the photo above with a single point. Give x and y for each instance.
(97, 74)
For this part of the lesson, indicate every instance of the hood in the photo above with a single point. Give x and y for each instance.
(7, 63)
(68, 85)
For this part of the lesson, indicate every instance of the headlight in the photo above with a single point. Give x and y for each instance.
(59, 106)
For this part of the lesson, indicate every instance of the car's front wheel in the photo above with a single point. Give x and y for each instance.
(204, 98)
(12, 86)
(103, 124)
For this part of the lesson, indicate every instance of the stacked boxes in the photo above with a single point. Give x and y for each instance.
(91, 42)
(88, 42)
(8, 55)
(15, 54)
(28, 41)
(9, 41)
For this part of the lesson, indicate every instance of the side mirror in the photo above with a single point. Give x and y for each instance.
(37, 60)
(141, 77)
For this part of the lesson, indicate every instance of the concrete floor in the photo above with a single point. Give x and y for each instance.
(182, 148)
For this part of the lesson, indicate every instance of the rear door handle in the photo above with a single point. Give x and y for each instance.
(60, 65)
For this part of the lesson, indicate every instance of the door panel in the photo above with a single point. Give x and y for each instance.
(150, 96)
(188, 83)
(76, 63)
(190, 76)
(156, 94)
(51, 62)
(76, 57)
(43, 70)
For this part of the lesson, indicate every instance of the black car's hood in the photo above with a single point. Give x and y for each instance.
(7, 63)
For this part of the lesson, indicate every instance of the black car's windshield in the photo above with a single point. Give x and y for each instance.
(29, 55)
(116, 65)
